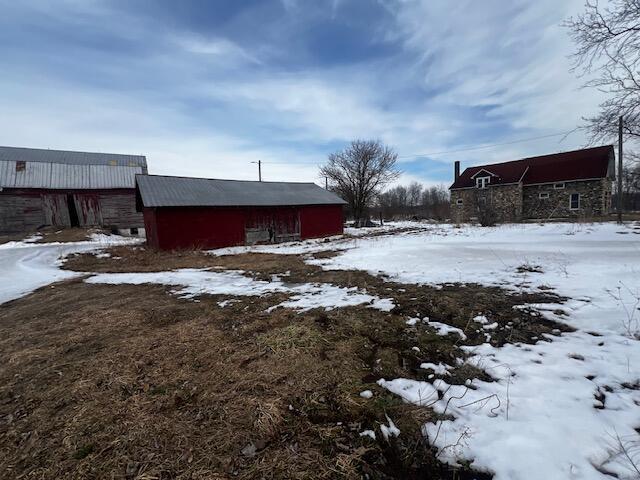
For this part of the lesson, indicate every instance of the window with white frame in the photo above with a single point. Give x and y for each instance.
(558, 186)
(574, 201)
(482, 182)
(459, 201)
(543, 195)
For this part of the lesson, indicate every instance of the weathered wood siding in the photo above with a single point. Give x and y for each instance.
(20, 213)
(26, 210)
(120, 211)
(56, 210)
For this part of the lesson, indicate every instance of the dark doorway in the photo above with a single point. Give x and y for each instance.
(73, 213)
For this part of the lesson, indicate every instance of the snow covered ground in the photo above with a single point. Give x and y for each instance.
(557, 408)
(190, 283)
(26, 266)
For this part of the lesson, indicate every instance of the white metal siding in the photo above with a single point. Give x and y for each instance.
(7, 174)
(34, 175)
(67, 176)
(113, 177)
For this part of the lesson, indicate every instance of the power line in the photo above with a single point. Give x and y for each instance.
(465, 149)
(480, 147)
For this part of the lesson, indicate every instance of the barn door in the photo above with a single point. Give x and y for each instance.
(272, 225)
(56, 210)
(87, 208)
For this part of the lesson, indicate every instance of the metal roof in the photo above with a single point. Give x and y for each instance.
(587, 163)
(164, 191)
(57, 169)
(20, 154)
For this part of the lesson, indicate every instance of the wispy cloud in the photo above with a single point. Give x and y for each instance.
(205, 89)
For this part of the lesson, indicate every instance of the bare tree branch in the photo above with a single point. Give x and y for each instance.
(359, 172)
(608, 45)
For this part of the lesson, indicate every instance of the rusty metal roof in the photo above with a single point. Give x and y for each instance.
(58, 169)
(584, 164)
(165, 191)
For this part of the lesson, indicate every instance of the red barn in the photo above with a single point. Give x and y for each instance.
(181, 212)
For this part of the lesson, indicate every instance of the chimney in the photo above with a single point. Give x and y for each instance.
(456, 170)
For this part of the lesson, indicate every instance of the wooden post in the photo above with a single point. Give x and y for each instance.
(620, 169)
(381, 224)
(259, 170)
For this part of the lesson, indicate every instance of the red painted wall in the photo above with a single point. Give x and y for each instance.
(170, 228)
(320, 221)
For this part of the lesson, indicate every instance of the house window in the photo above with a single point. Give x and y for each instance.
(574, 201)
(543, 195)
(558, 186)
(482, 182)
(459, 201)
(21, 166)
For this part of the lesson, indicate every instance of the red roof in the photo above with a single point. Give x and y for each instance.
(557, 167)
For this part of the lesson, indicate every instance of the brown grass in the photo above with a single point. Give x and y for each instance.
(132, 382)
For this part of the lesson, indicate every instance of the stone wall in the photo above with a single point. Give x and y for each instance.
(595, 200)
(504, 200)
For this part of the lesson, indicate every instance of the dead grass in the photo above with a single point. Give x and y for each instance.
(132, 382)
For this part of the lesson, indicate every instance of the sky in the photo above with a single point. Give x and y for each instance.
(206, 88)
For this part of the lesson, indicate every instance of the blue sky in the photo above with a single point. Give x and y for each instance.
(204, 88)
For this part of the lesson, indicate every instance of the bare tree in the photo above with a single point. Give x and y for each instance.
(359, 172)
(414, 192)
(405, 202)
(608, 45)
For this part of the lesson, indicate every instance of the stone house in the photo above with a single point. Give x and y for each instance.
(574, 184)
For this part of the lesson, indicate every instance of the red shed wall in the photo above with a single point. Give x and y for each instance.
(198, 227)
(320, 221)
(172, 228)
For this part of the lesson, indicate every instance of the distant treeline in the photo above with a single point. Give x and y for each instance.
(413, 201)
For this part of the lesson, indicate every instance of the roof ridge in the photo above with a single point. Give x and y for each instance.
(73, 151)
(540, 156)
(221, 179)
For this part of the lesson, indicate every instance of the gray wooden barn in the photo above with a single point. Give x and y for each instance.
(63, 189)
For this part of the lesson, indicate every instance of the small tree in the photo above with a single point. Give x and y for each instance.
(359, 172)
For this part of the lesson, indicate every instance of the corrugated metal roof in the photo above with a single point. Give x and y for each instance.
(60, 176)
(17, 154)
(582, 164)
(164, 191)
(57, 169)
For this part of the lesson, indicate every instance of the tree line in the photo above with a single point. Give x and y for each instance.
(414, 201)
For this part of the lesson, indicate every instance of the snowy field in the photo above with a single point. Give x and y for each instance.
(26, 265)
(559, 409)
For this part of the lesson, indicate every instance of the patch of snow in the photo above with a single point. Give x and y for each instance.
(491, 326)
(543, 402)
(481, 319)
(418, 393)
(389, 431)
(27, 266)
(366, 394)
(443, 329)
(368, 433)
(190, 283)
(439, 369)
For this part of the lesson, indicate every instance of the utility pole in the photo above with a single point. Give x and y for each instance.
(620, 169)
(259, 162)
(326, 183)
